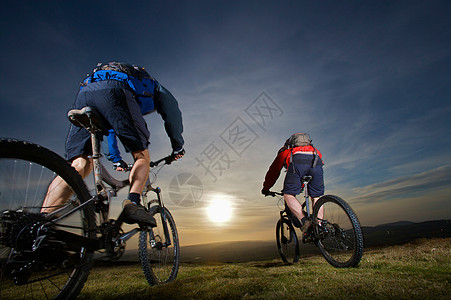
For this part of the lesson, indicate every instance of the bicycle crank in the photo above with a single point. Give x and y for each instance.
(113, 243)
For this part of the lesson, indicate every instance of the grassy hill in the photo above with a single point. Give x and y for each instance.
(417, 270)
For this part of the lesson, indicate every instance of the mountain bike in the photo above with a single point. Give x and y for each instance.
(49, 255)
(336, 231)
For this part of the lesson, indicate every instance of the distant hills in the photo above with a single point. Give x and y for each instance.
(382, 235)
(230, 252)
(403, 232)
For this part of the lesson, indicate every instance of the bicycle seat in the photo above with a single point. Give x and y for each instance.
(89, 118)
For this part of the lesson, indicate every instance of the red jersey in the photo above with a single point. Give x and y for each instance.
(283, 160)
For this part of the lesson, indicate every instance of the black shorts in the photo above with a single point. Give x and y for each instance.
(302, 166)
(117, 106)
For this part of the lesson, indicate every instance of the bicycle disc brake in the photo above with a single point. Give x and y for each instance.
(157, 243)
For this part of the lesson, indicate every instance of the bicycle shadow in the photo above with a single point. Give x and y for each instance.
(270, 264)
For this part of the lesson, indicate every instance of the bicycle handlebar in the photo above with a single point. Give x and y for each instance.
(167, 161)
(273, 194)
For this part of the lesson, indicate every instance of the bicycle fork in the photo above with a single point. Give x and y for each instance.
(167, 236)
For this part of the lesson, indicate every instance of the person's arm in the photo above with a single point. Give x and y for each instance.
(273, 172)
(168, 108)
(114, 154)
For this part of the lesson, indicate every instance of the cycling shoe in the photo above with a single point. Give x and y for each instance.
(306, 225)
(135, 213)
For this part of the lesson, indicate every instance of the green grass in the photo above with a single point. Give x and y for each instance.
(419, 270)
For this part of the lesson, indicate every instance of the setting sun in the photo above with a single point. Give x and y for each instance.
(220, 209)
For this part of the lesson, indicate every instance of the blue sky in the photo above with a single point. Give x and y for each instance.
(369, 80)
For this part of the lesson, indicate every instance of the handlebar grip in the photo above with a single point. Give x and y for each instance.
(167, 160)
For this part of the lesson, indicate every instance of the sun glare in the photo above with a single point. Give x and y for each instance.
(220, 209)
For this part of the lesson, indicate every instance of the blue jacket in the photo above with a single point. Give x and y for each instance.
(150, 96)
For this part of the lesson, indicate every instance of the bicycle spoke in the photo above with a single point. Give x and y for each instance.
(33, 263)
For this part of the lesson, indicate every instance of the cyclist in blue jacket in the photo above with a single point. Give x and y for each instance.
(113, 90)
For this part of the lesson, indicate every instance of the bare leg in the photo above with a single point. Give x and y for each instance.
(321, 210)
(133, 213)
(59, 192)
(140, 171)
(294, 206)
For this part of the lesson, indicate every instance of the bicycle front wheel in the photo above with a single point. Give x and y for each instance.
(159, 249)
(340, 237)
(32, 265)
(287, 241)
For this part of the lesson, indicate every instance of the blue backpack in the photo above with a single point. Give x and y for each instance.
(137, 78)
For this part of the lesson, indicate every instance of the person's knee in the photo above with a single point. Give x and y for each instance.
(83, 165)
(289, 197)
(141, 156)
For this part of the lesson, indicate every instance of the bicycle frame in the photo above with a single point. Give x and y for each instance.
(306, 204)
(101, 200)
(103, 194)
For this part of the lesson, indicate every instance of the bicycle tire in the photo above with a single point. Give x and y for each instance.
(65, 281)
(287, 241)
(159, 263)
(340, 236)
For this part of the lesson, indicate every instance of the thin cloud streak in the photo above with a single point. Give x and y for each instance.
(424, 183)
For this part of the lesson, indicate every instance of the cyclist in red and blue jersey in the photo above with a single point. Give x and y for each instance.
(300, 159)
(113, 92)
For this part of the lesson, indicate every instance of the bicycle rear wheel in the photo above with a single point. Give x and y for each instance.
(340, 235)
(287, 241)
(159, 249)
(29, 269)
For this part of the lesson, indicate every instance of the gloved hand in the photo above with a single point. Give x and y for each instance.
(266, 192)
(120, 166)
(178, 154)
